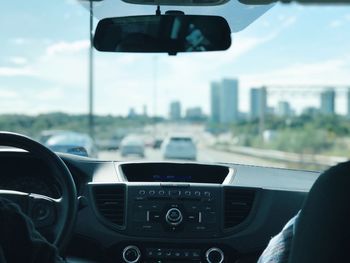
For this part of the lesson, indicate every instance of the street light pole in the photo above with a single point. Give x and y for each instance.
(91, 76)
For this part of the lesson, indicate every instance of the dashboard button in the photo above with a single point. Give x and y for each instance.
(197, 193)
(192, 217)
(131, 254)
(175, 192)
(214, 255)
(207, 194)
(151, 192)
(161, 192)
(195, 254)
(188, 193)
(168, 253)
(142, 192)
(154, 217)
(173, 217)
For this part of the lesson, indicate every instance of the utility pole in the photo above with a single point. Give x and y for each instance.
(91, 72)
(155, 96)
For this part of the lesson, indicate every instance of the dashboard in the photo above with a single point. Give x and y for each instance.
(169, 212)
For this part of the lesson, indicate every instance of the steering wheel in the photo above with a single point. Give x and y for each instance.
(57, 215)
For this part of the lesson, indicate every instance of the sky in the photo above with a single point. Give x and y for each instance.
(44, 62)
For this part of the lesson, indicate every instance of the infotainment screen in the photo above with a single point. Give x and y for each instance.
(174, 172)
(172, 178)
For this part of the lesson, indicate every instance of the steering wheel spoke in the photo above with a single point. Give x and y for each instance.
(54, 216)
(43, 210)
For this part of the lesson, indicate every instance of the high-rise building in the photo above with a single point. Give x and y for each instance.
(284, 109)
(175, 111)
(229, 101)
(144, 110)
(258, 102)
(311, 111)
(195, 114)
(132, 113)
(224, 101)
(328, 102)
(215, 102)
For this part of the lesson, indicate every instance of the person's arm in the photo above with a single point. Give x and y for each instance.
(20, 241)
(279, 247)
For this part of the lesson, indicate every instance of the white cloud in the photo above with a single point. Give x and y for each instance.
(18, 60)
(19, 40)
(329, 72)
(8, 94)
(67, 47)
(335, 23)
(15, 71)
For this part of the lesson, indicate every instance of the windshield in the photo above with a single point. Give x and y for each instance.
(280, 96)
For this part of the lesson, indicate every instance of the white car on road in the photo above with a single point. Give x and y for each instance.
(132, 145)
(179, 147)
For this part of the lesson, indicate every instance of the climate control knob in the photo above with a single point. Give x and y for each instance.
(131, 254)
(173, 217)
(214, 255)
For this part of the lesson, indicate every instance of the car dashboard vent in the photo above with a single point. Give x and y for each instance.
(238, 204)
(110, 202)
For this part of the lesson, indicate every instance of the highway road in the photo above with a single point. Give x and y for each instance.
(205, 154)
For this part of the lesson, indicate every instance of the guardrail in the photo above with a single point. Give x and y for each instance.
(287, 157)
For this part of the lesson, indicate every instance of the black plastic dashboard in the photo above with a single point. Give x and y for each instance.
(175, 212)
(167, 212)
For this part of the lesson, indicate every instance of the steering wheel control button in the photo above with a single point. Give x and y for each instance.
(40, 212)
(173, 217)
(175, 192)
(214, 255)
(131, 254)
(142, 192)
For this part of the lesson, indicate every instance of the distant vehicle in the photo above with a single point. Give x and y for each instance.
(157, 143)
(73, 143)
(132, 145)
(109, 144)
(179, 147)
(47, 134)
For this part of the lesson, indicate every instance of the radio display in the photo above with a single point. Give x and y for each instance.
(172, 178)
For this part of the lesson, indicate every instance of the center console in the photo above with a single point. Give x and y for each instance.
(174, 210)
(168, 220)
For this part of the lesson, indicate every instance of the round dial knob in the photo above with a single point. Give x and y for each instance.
(214, 255)
(173, 216)
(131, 254)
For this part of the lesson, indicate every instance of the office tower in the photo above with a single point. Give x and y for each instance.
(175, 111)
(284, 109)
(328, 102)
(215, 102)
(258, 102)
(229, 101)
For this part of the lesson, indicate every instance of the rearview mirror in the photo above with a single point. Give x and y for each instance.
(170, 33)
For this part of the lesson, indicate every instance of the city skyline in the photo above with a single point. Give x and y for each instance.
(259, 97)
